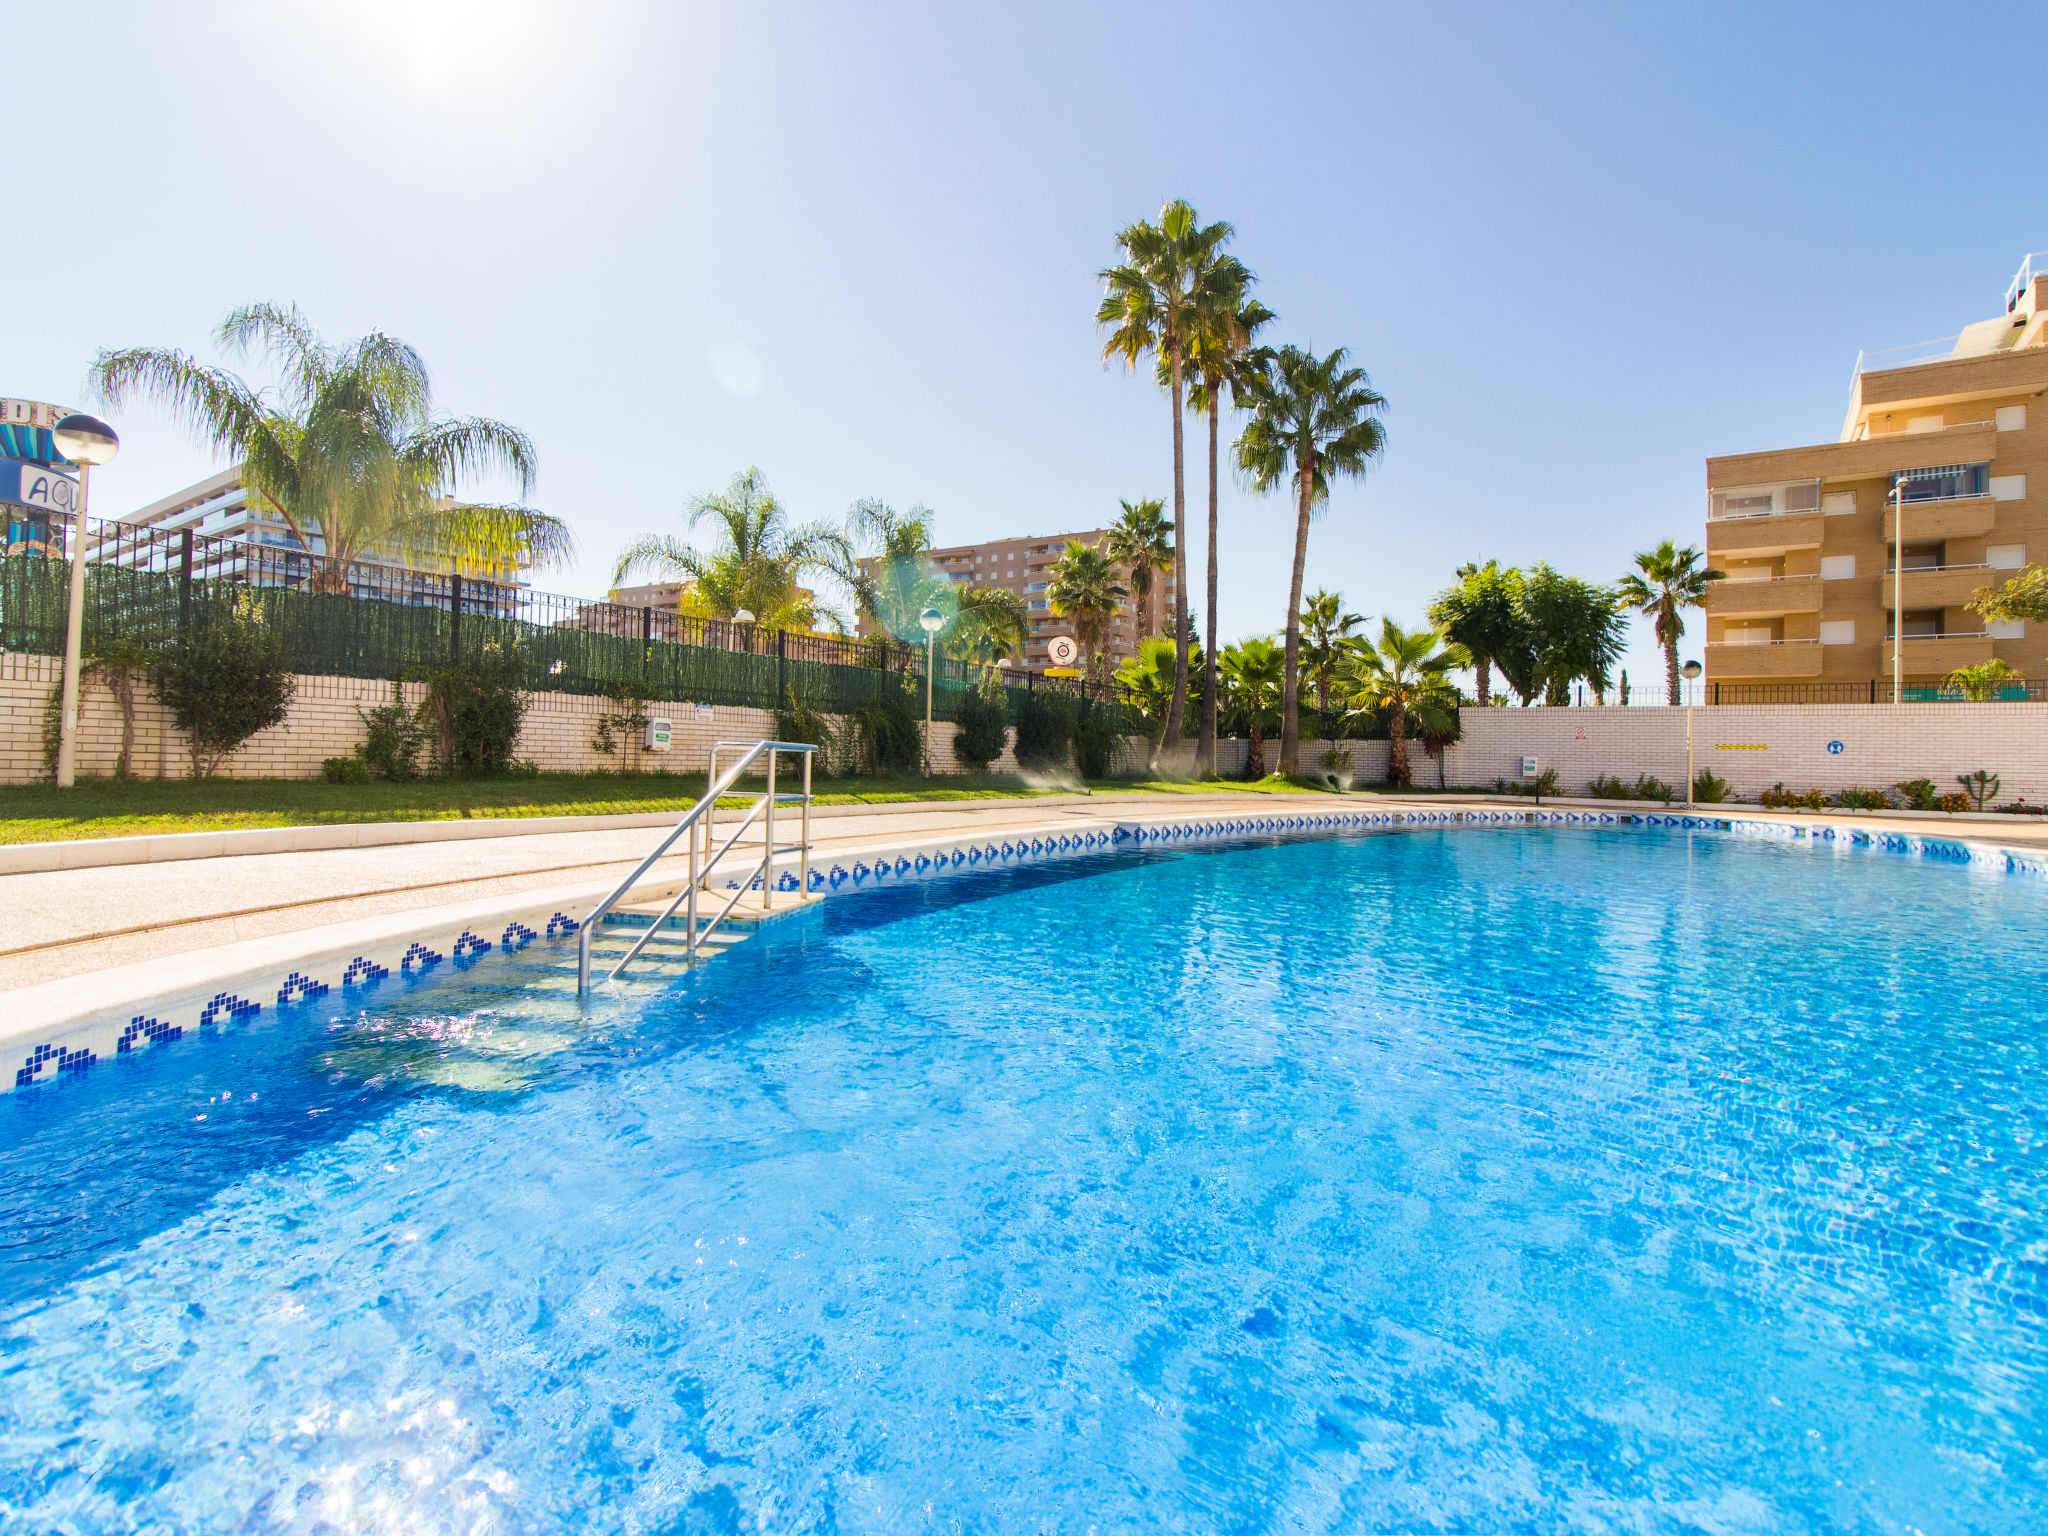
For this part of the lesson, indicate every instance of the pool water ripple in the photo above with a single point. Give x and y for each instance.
(1461, 1181)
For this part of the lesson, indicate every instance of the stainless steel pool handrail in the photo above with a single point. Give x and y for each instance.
(699, 818)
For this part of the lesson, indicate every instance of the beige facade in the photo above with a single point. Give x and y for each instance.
(1024, 566)
(1809, 538)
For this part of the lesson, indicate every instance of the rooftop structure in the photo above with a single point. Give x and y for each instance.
(1819, 571)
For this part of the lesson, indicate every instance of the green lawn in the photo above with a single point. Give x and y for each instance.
(36, 813)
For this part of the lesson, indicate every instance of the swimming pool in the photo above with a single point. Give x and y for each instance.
(1461, 1181)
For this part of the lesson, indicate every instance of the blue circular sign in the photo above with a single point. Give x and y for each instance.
(1835, 749)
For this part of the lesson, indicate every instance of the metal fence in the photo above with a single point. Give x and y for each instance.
(1876, 690)
(144, 585)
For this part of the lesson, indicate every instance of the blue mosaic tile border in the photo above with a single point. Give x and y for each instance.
(419, 956)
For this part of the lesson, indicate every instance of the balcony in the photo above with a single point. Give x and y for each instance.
(1964, 517)
(1780, 658)
(1776, 533)
(1736, 598)
(1941, 586)
(1937, 655)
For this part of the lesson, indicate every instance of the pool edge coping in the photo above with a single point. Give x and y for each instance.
(72, 1023)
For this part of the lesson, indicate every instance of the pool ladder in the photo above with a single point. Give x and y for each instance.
(699, 823)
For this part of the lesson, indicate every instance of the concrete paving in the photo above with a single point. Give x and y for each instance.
(72, 922)
(69, 922)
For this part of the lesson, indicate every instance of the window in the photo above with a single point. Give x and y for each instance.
(1746, 634)
(1943, 482)
(1921, 624)
(2006, 629)
(2008, 487)
(1837, 567)
(1763, 500)
(1835, 503)
(2012, 418)
(2005, 557)
(1838, 632)
(1923, 423)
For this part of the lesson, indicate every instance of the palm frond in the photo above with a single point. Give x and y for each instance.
(443, 451)
(657, 552)
(283, 335)
(211, 403)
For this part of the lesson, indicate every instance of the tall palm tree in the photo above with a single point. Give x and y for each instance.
(1666, 580)
(757, 565)
(1222, 354)
(1324, 628)
(1141, 541)
(347, 448)
(1147, 303)
(1482, 613)
(1254, 676)
(1404, 672)
(1084, 588)
(1313, 418)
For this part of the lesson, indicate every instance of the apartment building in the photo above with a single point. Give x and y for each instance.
(1024, 566)
(220, 507)
(1937, 486)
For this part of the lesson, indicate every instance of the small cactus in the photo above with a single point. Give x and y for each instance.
(1981, 786)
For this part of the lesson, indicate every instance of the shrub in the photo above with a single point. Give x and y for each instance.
(1952, 803)
(477, 709)
(1099, 738)
(1862, 800)
(344, 770)
(1545, 783)
(1709, 788)
(984, 720)
(1045, 731)
(227, 678)
(622, 728)
(887, 736)
(1778, 797)
(1646, 787)
(1919, 793)
(393, 738)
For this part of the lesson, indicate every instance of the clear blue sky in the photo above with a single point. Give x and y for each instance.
(1578, 248)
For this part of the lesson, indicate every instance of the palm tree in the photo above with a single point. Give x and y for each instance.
(1482, 613)
(1084, 587)
(1403, 673)
(1312, 418)
(1324, 628)
(896, 583)
(1147, 304)
(347, 449)
(1141, 541)
(1222, 354)
(1578, 631)
(758, 565)
(1254, 675)
(1666, 580)
(1147, 681)
(1981, 682)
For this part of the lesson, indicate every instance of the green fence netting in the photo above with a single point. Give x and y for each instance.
(339, 635)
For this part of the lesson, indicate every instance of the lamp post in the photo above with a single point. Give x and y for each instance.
(86, 441)
(1692, 670)
(931, 621)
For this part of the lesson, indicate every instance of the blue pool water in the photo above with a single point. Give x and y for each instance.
(1460, 1182)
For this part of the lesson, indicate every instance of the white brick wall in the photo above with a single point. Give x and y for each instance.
(1756, 746)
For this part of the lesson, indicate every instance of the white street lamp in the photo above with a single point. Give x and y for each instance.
(1692, 670)
(931, 621)
(86, 441)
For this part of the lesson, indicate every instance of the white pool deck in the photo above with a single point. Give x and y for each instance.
(90, 938)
